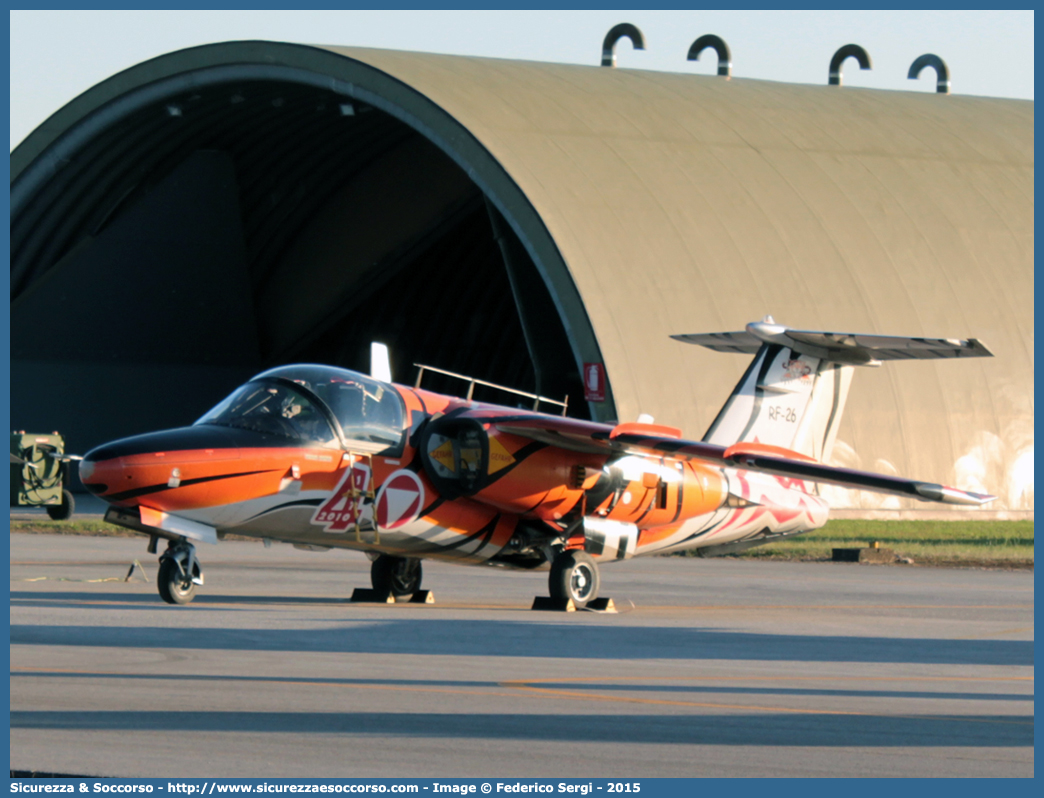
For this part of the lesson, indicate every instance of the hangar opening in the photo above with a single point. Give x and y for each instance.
(182, 235)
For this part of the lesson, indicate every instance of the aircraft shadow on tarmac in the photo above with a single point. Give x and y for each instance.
(772, 729)
(564, 637)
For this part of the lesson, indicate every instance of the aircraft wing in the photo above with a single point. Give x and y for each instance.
(741, 456)
(594, 438)
(653, 440)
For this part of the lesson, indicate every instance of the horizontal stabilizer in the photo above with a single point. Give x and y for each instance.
(854, 349)
(740, 343)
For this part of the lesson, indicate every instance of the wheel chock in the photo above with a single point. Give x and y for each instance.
(601, 605)
(871, 554)
(422, 597)
(548, 603)
(371, 596)
(137, 565)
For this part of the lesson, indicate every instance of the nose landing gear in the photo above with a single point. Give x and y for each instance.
(574, 575)
(179, 573)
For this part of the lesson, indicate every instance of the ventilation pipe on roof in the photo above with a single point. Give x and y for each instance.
(614, 35)
(722, 49)
(848, 51)
(942, 72)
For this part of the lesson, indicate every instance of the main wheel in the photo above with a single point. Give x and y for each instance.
(63, 511)
(400, 576)
(173, 587)
(574, 575)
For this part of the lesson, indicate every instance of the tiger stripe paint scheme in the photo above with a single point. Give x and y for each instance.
(253, 491)
(322, 457)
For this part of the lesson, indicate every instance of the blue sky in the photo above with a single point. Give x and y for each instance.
(56, 55)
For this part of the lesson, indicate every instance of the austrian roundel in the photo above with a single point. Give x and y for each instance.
(399, 500)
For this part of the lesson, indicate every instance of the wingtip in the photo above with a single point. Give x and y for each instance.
(982, 350)
(948, 495)
(983, 498)
(967, 498)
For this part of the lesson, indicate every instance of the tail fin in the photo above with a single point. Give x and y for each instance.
(793, 393)
(788, 399)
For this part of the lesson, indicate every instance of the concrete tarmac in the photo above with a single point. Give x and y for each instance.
(721, 668)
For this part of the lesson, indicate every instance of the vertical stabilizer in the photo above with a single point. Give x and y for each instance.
(794, 392)
(785, 399)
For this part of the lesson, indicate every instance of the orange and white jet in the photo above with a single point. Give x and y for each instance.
(322, 457)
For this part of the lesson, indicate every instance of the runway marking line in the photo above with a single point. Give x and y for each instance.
(68, 563)
(1020, 630)
(514, 682)
(526, 687)
(290, 682)
(68, 579)
(775, 679)
(792, 710)
(86, 602)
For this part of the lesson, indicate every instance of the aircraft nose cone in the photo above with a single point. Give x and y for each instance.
(113, 470)
(99, 469)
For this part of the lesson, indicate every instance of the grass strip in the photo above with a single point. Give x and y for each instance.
(73, 527)
(98, 529)
(1003, 543)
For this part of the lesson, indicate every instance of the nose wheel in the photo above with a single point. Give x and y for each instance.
(574, 575)
(179, 573)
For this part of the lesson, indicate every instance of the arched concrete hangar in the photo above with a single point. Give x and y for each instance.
(216, 210)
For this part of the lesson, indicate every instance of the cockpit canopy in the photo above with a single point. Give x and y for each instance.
(316, 405)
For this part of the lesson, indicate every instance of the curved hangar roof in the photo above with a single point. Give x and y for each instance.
(236, 205)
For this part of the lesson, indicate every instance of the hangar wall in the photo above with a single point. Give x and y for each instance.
(683, 203)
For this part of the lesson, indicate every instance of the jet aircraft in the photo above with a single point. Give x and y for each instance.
(322, 457)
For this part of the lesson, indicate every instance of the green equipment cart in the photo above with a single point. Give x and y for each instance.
(40, 473)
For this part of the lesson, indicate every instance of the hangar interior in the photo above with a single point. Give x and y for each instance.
(243, 225)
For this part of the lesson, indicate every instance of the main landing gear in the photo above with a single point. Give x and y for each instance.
(394, 579)
(179, 573)
(574, 575)
(400, 576)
